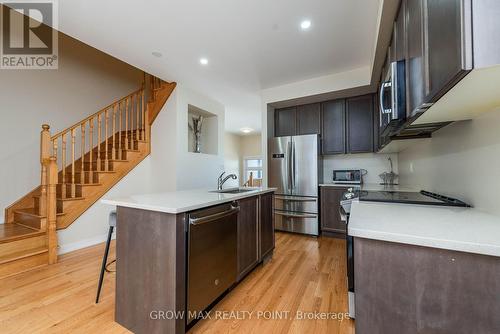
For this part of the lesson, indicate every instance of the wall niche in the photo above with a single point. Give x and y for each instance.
(203, 124)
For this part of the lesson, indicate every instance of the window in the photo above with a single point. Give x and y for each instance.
(252, 165)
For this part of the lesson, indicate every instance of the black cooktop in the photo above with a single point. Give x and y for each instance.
(423, 197)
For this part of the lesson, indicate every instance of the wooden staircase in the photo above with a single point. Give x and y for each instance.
(78, 166)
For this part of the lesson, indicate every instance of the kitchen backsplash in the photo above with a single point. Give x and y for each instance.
(375, 164)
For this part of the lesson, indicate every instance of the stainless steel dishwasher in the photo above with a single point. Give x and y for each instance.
(212, 258)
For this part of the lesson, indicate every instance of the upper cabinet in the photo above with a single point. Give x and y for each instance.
(345, 125)
(360, 124)
(447, 45)
(439, 49)
(333, 127)
(308, 119)
(300, 120)
(285, 122)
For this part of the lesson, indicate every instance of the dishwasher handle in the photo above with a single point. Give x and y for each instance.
(215, 216)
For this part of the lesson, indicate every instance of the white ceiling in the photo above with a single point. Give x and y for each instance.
(250, 44)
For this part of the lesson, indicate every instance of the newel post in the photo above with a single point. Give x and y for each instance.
(52, 209)
(44, 161)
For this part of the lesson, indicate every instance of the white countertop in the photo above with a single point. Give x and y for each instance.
(460, 229)
(181, 201)
(370, 186)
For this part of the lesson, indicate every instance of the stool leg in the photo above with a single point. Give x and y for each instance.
(103, 266)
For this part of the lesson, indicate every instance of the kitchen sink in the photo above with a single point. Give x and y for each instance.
(233, 190)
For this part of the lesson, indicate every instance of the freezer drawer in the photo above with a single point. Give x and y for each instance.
(296, 203)
(306, 223)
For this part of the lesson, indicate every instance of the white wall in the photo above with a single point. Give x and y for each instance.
(236, 149)
(86, 81)
(374, 163)
(232, 158)
(197, 170)
(461, 160)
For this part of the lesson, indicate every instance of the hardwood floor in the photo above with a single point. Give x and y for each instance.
(305, 274)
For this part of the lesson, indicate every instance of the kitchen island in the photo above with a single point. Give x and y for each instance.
(179, 252)
(429, 269)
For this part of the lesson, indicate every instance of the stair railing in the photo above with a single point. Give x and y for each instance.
(73, 155)
(92, 144)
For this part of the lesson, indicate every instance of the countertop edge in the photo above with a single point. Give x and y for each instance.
(459, 246)
(184, 209)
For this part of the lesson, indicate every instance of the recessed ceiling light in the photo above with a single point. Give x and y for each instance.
(306, 24)
(203, 61)
(156, 54)
(246, 130)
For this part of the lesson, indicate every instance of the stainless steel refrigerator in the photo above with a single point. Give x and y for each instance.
(295, 167)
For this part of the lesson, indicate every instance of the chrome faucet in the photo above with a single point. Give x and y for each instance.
(221, 181)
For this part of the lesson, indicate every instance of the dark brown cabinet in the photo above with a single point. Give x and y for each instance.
(308, 119)
(266, 225)
(329, 210)
(447, 46)
(301, 120)
(285, 122)
(360, 124)
(438, 47)
(345, 125)
(248, 235)
(333, 127)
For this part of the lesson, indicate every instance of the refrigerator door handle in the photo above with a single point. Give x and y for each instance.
(294, 165)
(289, 165)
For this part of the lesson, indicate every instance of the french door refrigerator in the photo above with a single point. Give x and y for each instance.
(294, 169)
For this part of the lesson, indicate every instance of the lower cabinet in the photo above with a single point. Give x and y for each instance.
(248, 235)
(266, 224)
(329, 210)
(255, 231)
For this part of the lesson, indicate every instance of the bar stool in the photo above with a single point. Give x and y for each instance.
(112, 225)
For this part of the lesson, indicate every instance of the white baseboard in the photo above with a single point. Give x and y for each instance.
(70, 247)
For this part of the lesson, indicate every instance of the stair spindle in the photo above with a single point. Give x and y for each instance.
(120, 132)
(73, 185)
(63, 165)
(143, 128)
(151, 88)
(82, 144)
(127, 145)
(137, 114)
(106, 151)
(52, 209)
(91, 147)
(113, 142)
(99, 132)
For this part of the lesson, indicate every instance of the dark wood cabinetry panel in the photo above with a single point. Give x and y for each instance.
(360, 124)
(329, 210)
(424, 290)
(445, 49)
(333, 127)
(266, 224)
(285, 122)
(414, 56)
(248, 237)
(308, 119)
